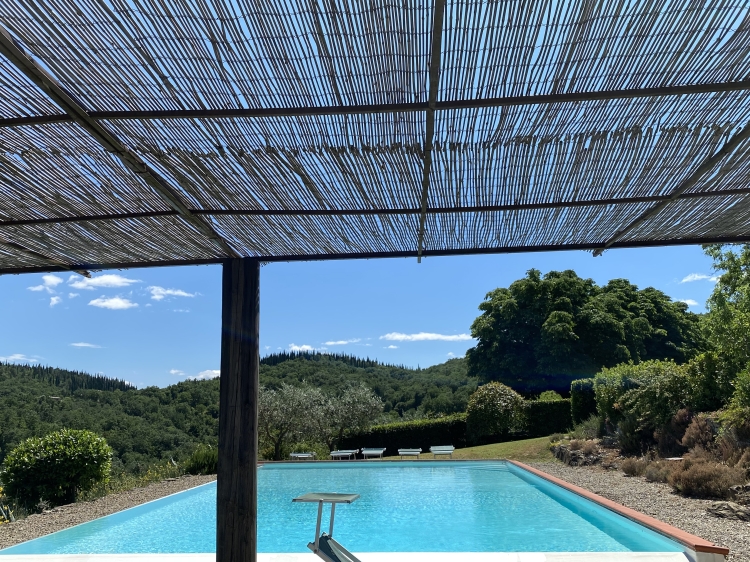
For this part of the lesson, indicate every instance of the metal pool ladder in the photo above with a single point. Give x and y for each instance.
(324, 546)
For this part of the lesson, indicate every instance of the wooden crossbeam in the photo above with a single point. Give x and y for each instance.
(381, 211)
(740, 239)
(509, 101)
(429, 136)
(107, 139)
(686, 184)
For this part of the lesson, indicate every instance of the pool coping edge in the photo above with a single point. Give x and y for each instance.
(693, 542)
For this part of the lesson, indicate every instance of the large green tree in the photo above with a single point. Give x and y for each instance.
(728, 320)
(543, 331)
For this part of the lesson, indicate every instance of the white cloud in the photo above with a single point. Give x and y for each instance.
(49, 282)
(689, 302)
(425, 336)
(55, 300)
(699, 277)
(108, 281)
(207, 374)
(451, 354)
(113, 303)
(158, 293)
(391, 347)
(18, 358)
(176, 372)
(181, 310)
(85, 344)
(73, 295)
(305, 347)
(343, 342)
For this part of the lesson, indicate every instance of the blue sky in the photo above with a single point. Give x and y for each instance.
(161, 325)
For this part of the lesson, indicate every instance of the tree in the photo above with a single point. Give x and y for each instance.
(544, 331)
(56, 467)
(354, 410)
(494, 409)
(728, 320)
(287, 414)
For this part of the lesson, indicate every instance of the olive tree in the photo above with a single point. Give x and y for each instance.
(354, 410)
(288, 414)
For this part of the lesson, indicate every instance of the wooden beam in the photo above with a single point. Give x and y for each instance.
(107, 139)
(686, 184)
(237, 489)
(589, 246)
(509, 101)
(436, 51)
(382, 211)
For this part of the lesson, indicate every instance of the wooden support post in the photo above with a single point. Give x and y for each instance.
(237, 491)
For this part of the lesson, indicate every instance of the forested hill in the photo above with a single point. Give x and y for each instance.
(152, 424)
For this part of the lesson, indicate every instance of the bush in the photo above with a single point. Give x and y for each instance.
(582, 400)
(494, 409)
(589, 447)
(710, 381)
(705, 479)
(587, 429)
(542, 417)
(424, 433)
(633, 467)
(700, 433)
(204, 460)
(737, 414)
(56, 467)
(549, 396)
(658, 471)
(669, 437)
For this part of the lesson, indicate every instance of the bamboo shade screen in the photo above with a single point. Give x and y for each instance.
(146, 132)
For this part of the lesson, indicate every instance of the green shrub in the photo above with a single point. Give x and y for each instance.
(737, 414)
(204, 460)
(56, 467)
(587, 429)
(421, 434)
(661, 389)
(710, 381)
(543, 417)
(658, 471)
(494, 409)
(582, 400)
(549, 396)
(705, 479)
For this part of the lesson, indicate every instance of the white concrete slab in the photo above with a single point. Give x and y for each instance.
(372, 557)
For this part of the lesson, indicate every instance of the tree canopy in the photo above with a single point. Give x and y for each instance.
(544, 331)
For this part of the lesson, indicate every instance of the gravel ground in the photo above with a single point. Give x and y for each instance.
(65, 516)
(658, 500)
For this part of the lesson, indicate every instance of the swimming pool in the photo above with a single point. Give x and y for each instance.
(419, 506)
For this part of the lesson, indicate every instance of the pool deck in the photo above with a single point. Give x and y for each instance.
(374, 557)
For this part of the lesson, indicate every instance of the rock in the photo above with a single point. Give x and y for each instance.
(577, 457)
(729, 510)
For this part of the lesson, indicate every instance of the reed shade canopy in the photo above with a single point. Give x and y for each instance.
(147, 132)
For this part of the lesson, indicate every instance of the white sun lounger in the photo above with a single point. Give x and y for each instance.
(346, 453)
(302, 456)
(409, 452)
(443, 450)
(373, 452)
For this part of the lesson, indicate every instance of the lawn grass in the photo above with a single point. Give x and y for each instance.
(527, 450)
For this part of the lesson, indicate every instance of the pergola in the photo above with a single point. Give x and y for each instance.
(152, 132)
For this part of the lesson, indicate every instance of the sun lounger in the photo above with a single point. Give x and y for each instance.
(347, 453)
(443, 450)
(373, 452)
(302, 456)
(409, 452)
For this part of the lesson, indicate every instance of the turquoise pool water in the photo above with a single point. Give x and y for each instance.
(408, 506)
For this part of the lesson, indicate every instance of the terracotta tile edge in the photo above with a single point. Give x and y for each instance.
(696, 544)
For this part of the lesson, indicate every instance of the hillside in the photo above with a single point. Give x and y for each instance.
(152, 424)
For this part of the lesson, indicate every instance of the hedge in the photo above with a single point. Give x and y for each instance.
(417, 434)
(545, 417)
(582, 400)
